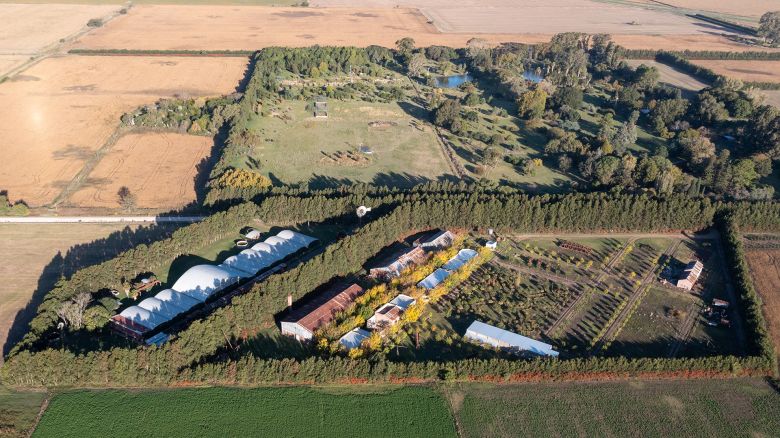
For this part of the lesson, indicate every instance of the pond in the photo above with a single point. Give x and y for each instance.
(452, 81)
(533, 77)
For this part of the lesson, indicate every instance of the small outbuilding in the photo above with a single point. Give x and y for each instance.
(354, 338)
(690, 275)
(389, 314)
(436, 240)
(399, 261)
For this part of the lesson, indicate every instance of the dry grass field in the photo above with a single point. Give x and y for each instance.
(671, 76)
(771, 97)
(765, 267)
(758, 71)
(747, 8)
(29, 260)
(56, 114)
(158, 168)
(189, 27)
(28, 28)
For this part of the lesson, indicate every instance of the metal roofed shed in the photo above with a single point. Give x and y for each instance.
(500, 338)
(398, 261)
(436, 240)
(460, 259)
(390, 313)
(303, 321)
(354, 338)
(434, 279)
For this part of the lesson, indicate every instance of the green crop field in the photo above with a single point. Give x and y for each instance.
(297, 147)
(712, 408)
(272, 412)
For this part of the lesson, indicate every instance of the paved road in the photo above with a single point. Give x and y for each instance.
(98, 219)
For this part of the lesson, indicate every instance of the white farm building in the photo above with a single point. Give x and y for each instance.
(487, 334)
(201, 282)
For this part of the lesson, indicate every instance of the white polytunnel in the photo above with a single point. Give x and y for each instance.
(143, 317)
(163, 308)
(201, 281)
(198, 283)
(177, 299)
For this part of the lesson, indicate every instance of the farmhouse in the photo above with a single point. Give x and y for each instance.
(436, 240)
(487, 334)
(398, 262)
(201, 282)
(690, 275)
(354, 338)
(302, 322)
(390, 313)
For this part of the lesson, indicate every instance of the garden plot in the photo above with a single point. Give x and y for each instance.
(358, 142)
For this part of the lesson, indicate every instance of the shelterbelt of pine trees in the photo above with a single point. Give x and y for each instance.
(198, 352)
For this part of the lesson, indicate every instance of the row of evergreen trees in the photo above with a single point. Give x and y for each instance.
(195, 353)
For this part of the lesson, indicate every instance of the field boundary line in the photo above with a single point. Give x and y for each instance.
(77, 181)
(41, 411)
(98, 219)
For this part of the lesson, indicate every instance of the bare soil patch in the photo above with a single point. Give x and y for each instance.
(51, 125)
(758, 71)
(158, 168)
(29, 28)
(765, 267)
(749, 8)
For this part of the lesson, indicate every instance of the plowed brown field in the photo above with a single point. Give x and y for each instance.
(56, 114)
(758, 71)
(158, 168)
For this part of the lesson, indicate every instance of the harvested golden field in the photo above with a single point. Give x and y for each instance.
(56, 114)
(30, 28)
(32, 258)
(755, 71)
(765, 267)
(670, 76)
(771, 97)
(158, 168)
(180, 27)
(747, 8)
(9, 62)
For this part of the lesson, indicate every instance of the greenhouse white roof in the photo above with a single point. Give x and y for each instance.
(460, 259)
(495, 336)
(177, 299)
(163, 308)
(201, 281)
(434, 279)
(354, 338)
(143, 317)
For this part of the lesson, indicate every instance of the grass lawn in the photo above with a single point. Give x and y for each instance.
(273, 412)
(18, 411)
(297, 147)
(652, 328)
(711, 408)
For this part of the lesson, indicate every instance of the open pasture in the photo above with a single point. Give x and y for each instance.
(159, 169)
(297, 147)
(55, 115)
(218, 412)
(713, 408)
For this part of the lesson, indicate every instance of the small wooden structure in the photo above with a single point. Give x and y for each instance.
(321, 107)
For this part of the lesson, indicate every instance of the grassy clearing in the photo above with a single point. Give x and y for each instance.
(18, 411)
(219, 412)
(297, 147)
(713, 408)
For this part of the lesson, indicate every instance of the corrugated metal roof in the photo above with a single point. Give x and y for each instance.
(460, 259)
(482, 332)
(320, 310)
